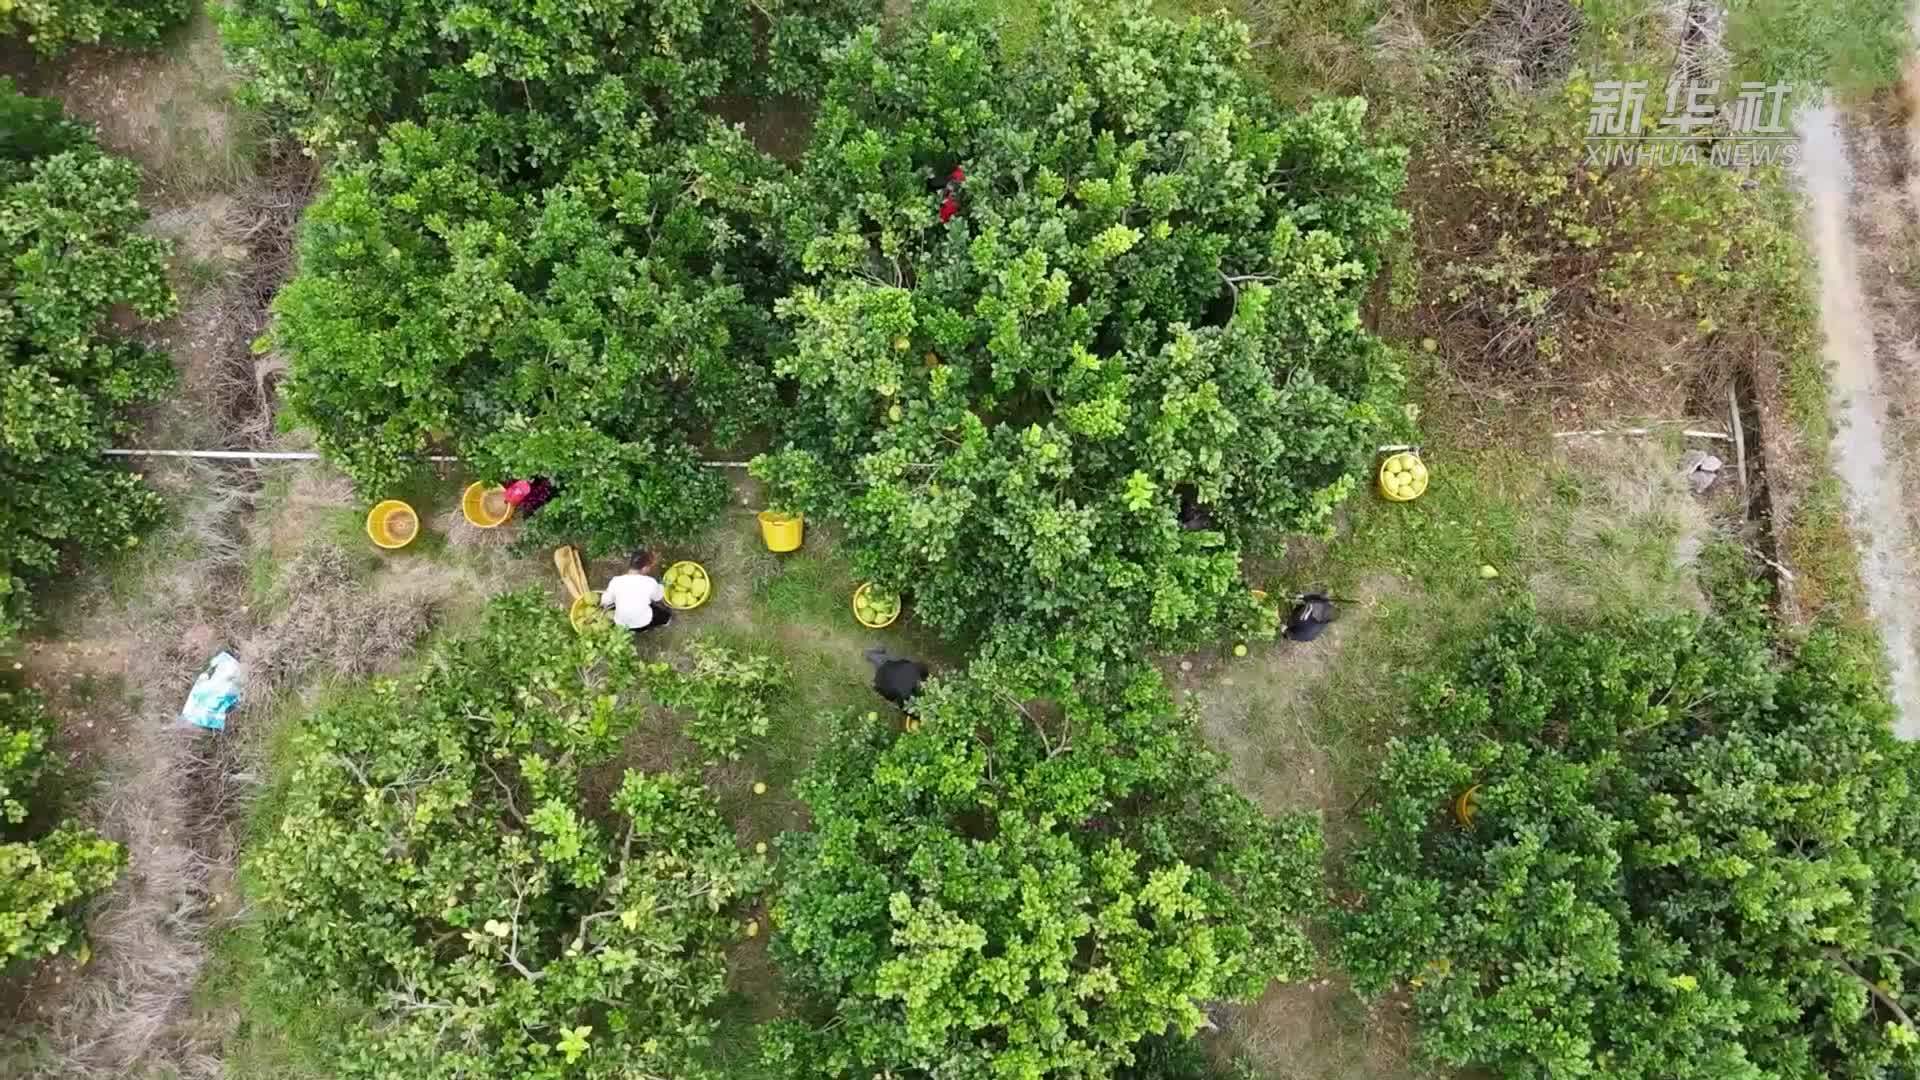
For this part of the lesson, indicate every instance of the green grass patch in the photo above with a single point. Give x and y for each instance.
(278, 1032)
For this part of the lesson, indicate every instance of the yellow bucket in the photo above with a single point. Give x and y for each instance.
(782, 532)
(485, 507)
(392, 524)
(1403, 477)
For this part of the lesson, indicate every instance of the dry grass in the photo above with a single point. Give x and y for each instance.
(1524, 44)
(464, 535)
(172, 111)
(329, 624)
(163, 795)
(1318, 1030)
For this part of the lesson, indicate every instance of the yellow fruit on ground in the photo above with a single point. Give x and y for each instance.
(753, 927)
(760, 848)
(1239, 650)
(759, 787)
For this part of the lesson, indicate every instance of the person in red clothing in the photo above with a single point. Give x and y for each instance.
(529, 495)
(950, 204)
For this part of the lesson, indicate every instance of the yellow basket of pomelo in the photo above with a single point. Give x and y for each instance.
(392, 524)
(687, 585)
(1403, 477)
(875, 608)
(586, 612)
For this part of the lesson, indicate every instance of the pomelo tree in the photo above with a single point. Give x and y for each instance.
(73, 254)
(593, 327)
(1661, 848)
(1077, 320)
(441, 865)
(1046, 871)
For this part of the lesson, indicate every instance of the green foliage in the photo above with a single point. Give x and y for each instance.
(1689, 856)
(587, 330)
(1034, 880)
(1544, 257)
(1150, 291)
(802, 37)
(54, 26)
(1854, 46)
(728, 693)
(439, 862)
(72, 252)
(43, 874)
(342, 71)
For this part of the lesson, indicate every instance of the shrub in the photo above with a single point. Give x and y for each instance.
(1034, 880)
(1148, 300)
(589, 329)
(54, 26)
(439, 863)
(43, 873)
(71, 253)
(1545, 254)
(1688, 857)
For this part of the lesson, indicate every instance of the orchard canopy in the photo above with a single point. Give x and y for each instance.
(1680, 851)
(1047, 871)
(1052, 332)
(1050, 298)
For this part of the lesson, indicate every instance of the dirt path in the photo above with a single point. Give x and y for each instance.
(1860, 402)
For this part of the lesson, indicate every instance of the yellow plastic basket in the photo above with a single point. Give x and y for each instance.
(392, 524)
(585, 611)
(782, 532)
(485, 507)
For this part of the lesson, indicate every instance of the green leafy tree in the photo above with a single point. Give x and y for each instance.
(592, 329)
(54, 26)
(438, 862)
(1038, 877)
(72, 254)
(343, 71)
(44, 872)
(1686, 855)
(802, 36)
(1147, 301)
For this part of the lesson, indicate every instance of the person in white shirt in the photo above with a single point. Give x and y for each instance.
(636, 597)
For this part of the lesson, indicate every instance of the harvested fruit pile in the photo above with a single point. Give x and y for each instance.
(687, 585)
(873, 607)
(1403, 477)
